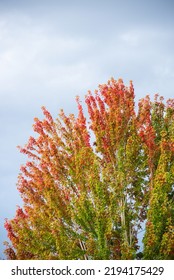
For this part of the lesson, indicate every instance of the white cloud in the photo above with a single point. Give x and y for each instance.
(36, 54)
(130, 38)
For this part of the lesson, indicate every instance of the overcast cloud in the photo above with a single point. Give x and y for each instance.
(51, 51)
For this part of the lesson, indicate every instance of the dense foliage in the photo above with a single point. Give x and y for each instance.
(88, 187)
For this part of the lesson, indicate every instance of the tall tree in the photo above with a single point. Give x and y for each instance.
(159, 236)
(89, 186)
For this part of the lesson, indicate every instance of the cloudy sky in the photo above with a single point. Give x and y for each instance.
(51, 51)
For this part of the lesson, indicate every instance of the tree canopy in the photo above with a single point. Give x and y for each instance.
(90, 183)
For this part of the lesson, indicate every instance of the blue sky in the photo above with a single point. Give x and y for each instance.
(51, 51)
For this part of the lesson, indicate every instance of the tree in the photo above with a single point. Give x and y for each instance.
(89, 186)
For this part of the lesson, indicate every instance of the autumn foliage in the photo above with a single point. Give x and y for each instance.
(91, 184)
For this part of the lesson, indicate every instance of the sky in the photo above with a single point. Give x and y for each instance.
(51, 51)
